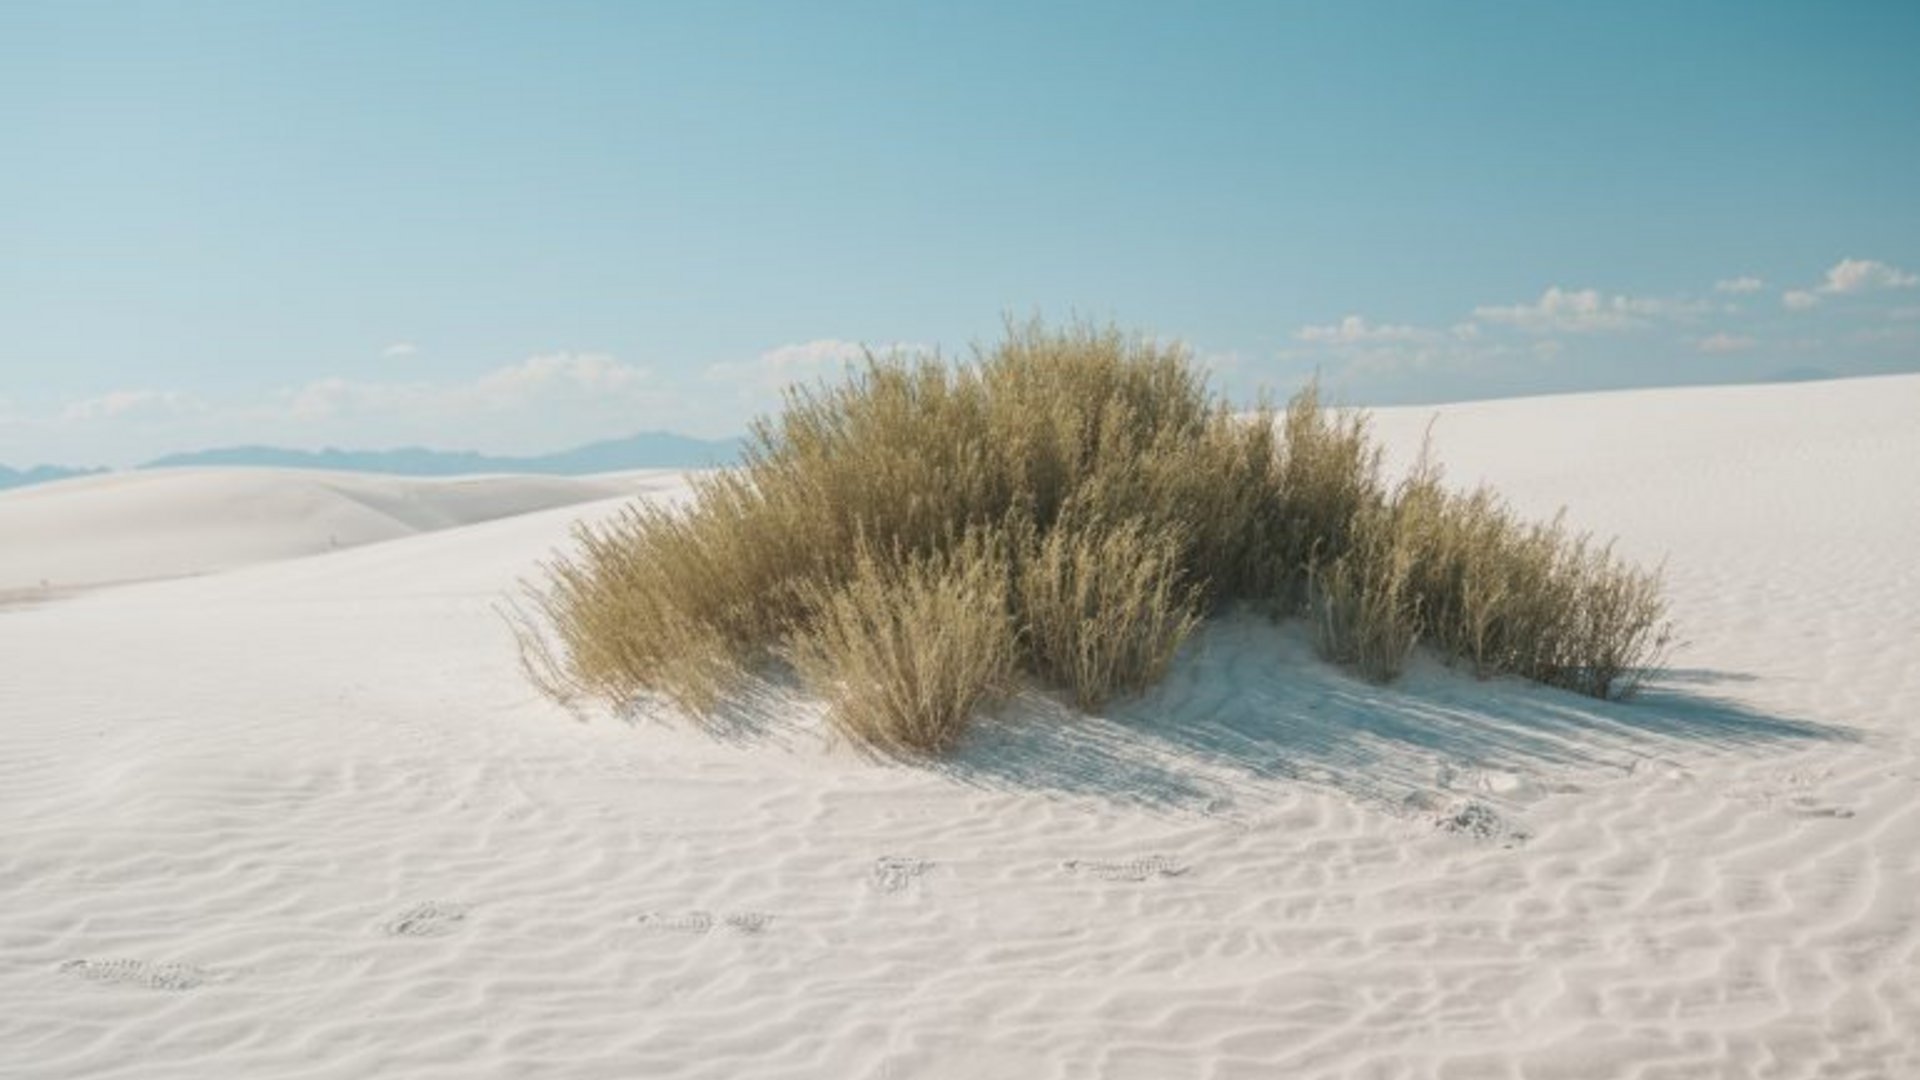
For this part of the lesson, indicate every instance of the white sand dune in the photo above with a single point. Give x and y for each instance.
(133, 526)
(304, 819)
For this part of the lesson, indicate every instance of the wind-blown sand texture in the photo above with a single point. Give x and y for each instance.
(305, 818)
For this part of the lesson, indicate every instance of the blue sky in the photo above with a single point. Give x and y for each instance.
(517, 227)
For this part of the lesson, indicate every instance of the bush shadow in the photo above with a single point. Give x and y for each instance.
(1248, 703)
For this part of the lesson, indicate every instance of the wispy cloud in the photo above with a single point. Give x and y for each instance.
(1723, 342)
(400, 350)
(803, 362)
(1583, 311)
(1563, 336)
(807, 357)
(119, 404)
(537, 378)
(544, 374)
(1879, 335)
(1354, 330)
(337, 397)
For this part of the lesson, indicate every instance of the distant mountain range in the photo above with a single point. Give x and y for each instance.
(39, 474)
(647, 450)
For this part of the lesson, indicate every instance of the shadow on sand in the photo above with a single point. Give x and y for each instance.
(1249, 711)
(1248, 703)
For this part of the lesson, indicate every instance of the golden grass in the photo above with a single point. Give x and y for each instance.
(1067, 506)
(905, 649)
(1461, 573)
(1104, 608)
(1365, 612)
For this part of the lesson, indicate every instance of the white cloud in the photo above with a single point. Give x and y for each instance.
(129, 403)
(1583, 311)
(1744, 284)
(809, 357)
(400, 350)
(335, 397)
(596, 376)
(1230, 362)
(1850, 277)
(1354, 330)
(1723, 342)
(804, 362)
(1865, 275)
(537, 376)
(1884, 334)
(1481, 360)
(1466, 331)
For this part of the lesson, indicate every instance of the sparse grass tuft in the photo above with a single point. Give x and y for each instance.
(1068, 506)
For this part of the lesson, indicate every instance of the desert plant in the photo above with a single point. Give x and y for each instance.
(1365, 611)
(1081, 494)
(1459, 572)
(1329, 479)
(1103, 609)
(906, 648)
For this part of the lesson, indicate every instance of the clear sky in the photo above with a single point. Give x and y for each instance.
(518, 227)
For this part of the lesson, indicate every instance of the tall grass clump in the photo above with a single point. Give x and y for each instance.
(1105, 608)
(1486, 590)
(1364, 605)
(1066, 507)
(1328, 485)
(905, 650)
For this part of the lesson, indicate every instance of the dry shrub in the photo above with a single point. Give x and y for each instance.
(1119, 500)
(1365, 611)
(676, 602)
(1066, 405)
(905, 649)
(1104, 609)
(1328, 482)
(1459, 572)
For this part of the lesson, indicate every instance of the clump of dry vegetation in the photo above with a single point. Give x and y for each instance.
(1068, 507)
(905, 650)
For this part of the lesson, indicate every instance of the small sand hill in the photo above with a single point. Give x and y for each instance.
(135, 526)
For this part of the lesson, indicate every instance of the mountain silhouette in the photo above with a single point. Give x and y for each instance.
(39, 474)
(647, 450)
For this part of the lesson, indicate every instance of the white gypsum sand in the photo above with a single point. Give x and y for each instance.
(116, 528)
(306, 819)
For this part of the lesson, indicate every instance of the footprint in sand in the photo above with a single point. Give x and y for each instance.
(143, 974)
(434, 918)
(893, 873)
(1481, 822)
(1813, 808)
(1152, 866)
(749, 922)
(697, 923)
(676, 922)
